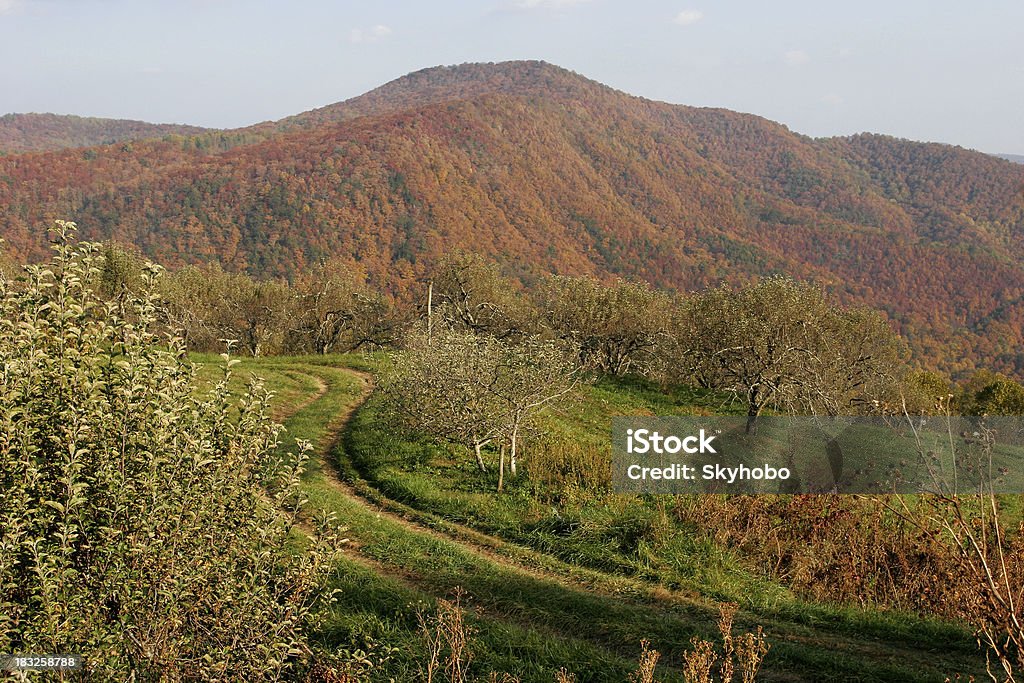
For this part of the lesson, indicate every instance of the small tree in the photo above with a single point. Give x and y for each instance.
(190, 299)
(925, 392)
(121, 271)
(209, 305)
(533, 375)
(440, 387)
(255, 312)
(336, 312)
(1002, 396)
(471, 294)
(475, 389)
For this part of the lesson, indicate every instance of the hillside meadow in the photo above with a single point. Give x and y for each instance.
(556, 570)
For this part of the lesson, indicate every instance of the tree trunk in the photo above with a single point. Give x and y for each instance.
(512, 456)
(430, 312)
(754, 407)
(501, 469)
(479, 456)
(752, 414)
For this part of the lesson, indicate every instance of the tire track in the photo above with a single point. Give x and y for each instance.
(538, 566)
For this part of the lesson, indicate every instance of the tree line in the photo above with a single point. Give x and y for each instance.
(779, 344)
(328, 308)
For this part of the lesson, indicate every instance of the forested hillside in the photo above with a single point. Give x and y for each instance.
(548, 171)
(40, 132)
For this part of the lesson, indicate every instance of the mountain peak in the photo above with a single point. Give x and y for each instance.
(455, 82)
(503, 76)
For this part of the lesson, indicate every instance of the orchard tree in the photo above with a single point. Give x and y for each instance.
(190, 301)
(926, 392)
(121, 271)
(439, 386)
(859, 363)
(213, 306)
(1002, 396)
(475, 389)
(532, 376)
(470, 293)
(615, 327)
(255, 312)
(780, 344)
(336, 312)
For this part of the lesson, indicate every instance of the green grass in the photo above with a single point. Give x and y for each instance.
(575, 584)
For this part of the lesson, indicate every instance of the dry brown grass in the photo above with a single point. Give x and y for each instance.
(705, 662)
(559, 465)
(447, 637)
(648, 661)
(838, 549)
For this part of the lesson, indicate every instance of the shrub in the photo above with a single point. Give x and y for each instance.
(142, 526)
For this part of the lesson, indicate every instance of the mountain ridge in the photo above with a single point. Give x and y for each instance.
(548, 171)
(37, 132)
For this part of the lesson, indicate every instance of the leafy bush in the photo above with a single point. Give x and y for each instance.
(141, 525)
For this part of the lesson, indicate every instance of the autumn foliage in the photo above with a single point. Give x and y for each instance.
(547, 171)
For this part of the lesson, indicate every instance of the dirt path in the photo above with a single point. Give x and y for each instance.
(467, 539)
(334, 476)
(482, 545)
(523, 560)
(321, 389)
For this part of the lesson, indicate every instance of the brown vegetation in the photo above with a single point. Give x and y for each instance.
(550, 172)
(41, 132)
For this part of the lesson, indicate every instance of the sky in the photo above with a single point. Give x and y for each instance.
(935, 70)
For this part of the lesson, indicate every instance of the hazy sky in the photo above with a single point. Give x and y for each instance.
(921, 69)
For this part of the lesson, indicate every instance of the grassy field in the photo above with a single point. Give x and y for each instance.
(574, 579)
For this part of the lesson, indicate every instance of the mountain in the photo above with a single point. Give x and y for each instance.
(1015, 158)
(442, 84)
(39, 132)
(550, 172)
